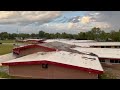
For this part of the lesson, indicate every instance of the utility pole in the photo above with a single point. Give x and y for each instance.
(17, 38)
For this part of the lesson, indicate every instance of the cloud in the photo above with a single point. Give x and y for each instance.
(27, 17)
(74, 27)
(102, 25)
(75, 19)
(6, 14)
(80, 23)
(70, 25)
(85, 19)
(112, 18)
(9, 28)
(56, 21)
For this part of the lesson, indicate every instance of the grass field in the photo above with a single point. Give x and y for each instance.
(5, 48)
(4, 75)
(7, 41)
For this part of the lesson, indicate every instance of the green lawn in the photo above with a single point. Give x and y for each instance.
(5, 48)
(7, 41)
(5, 75)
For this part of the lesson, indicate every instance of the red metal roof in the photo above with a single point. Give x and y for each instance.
(18, 49)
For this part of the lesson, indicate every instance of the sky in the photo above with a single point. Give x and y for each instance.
(58, 21)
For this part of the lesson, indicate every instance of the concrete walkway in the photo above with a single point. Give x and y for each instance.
(3, 78)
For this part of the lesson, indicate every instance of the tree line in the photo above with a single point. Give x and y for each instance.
(94, 34)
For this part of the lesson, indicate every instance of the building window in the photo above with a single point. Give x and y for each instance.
(45, 66)
(111, 61)
(114, 61)
(115, 46)
(102, 60)
(102, 46)
(108, 46)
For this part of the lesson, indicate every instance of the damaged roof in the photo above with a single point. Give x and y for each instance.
(101, 52)
(62, 58)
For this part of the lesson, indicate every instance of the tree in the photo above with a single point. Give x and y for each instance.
(47, 35)
(115, 36)
(4, 35)
(103, 36)
(33, 35)
(64, 35)
(57, 35)
(96, 33)
(70, 36)
(12, 36)
(89, 35)
(75, 36)
(52, 36)
(41, 34)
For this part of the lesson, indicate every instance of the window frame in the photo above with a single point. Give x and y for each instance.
(115, 61)
(44, 66)
(102, 61)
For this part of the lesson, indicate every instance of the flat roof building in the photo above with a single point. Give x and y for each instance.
(88, 43)
(109, 57)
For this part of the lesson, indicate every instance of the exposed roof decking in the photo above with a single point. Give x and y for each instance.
(72, 42)
(63, 57)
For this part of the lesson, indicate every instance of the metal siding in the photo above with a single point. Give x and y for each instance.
(53, 72)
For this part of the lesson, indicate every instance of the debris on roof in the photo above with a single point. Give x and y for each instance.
(101, 52)
(61, 57)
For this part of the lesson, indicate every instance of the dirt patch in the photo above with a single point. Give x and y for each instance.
(112, 72)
